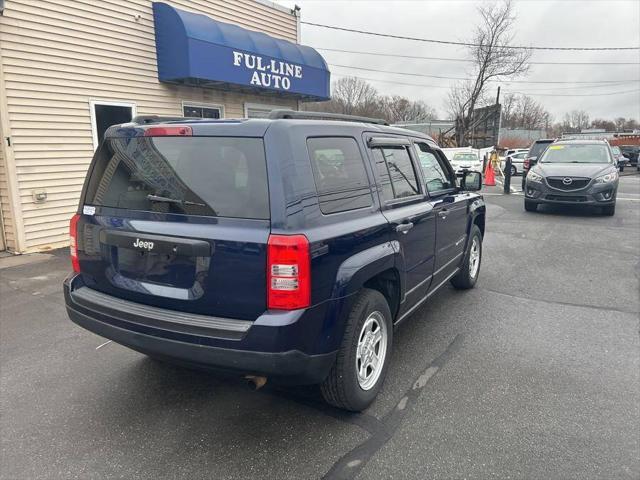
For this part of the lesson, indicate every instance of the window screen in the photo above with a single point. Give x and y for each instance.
(338, 170)
(395, 169)
(210, 176)
(435, 173)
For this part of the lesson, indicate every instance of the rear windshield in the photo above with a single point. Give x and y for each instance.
(207, 176)
(576, 153)
(537, 148)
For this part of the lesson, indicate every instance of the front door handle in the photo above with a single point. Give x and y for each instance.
(404, 227)
(443, 214)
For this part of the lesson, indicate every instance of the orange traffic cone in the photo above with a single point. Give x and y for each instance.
(489, 175)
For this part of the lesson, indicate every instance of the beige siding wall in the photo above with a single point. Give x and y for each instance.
(58, 55)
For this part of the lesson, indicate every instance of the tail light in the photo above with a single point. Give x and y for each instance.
(176, 131)
(525, 164)
(73, 242)
(288, 272)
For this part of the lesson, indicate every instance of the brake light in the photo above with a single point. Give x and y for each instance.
(288, 272)
(73, 242)
(179, 131)
(525, 164)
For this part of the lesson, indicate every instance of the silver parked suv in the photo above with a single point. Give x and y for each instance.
(576, 172)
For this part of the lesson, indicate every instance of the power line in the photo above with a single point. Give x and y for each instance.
(519, 92)
(578, 94)
(464, 44)
(467, 78)
(464, 60)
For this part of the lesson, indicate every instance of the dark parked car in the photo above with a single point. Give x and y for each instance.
(631, 152)
(574, 172)
(537, 148)
(286, 248)
(621, 160)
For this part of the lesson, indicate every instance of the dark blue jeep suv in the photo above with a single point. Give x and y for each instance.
(286, 248)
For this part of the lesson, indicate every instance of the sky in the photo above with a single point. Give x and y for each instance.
(548, 23)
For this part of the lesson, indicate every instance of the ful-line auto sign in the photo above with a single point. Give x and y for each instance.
(267, 73)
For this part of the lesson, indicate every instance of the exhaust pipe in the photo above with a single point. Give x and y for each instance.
(255, 383)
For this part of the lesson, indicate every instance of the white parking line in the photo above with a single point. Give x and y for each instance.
(103, 344)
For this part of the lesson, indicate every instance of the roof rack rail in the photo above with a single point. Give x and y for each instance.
(147, 119)
(297, 115)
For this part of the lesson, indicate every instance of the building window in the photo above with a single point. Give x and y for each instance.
(106, 113)
(201, 111)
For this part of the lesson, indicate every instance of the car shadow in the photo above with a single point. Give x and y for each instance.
(570, 210)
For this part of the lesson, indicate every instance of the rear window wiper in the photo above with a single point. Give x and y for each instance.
(158, 198)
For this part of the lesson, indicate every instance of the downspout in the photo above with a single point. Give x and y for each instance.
(297, 14)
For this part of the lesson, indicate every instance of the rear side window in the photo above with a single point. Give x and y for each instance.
(397, 177)
(338, 170)
(209, 176)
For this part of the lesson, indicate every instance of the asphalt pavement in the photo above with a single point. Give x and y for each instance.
(533, 374)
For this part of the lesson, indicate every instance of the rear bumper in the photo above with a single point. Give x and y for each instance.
(281, 355)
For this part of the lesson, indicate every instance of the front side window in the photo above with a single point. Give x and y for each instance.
(207, 176)
(339, 173)
(398, 179)
(435, 173)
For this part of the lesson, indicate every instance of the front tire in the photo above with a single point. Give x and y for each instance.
(530, 206)
(609, 210)
(361, 365)
(514, 171)
(468, 275)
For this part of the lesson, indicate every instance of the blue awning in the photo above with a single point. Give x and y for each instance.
(197, 50)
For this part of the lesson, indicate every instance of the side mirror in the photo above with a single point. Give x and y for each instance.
(471, 181)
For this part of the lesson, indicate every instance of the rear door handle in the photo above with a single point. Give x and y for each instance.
(443, 214)
(404, 227)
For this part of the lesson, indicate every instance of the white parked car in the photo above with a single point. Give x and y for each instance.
(512, 152)
(466, 161)
(517, 160)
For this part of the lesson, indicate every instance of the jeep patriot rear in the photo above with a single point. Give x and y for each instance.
(286, 248)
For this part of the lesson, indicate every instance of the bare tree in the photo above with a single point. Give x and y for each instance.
(522, 111)
(623, 124)
(608, 125)
(575, 121)
(494, 59)
(401, 109)
(353, 96)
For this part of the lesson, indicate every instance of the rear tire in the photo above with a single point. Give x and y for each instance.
(609, 210)
(344, 387)
(514, 171)
(530, 206)
(468, 275)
